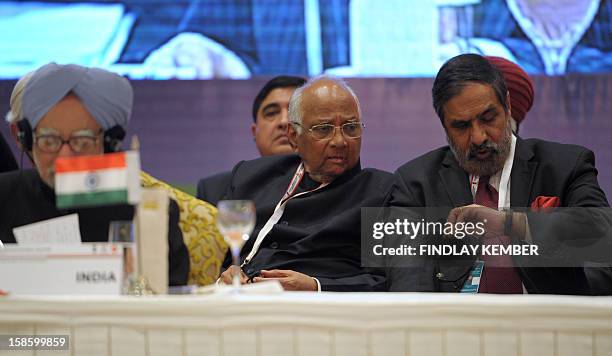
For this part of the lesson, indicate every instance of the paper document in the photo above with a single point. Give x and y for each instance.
(62, 230)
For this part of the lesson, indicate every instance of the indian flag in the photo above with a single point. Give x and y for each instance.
(107, 179)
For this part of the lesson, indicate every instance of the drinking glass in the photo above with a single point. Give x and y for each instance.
(122, 233)
(235, 220)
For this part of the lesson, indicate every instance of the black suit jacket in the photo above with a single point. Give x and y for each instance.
(213, 188)
(25, 199)
(319, 233)
(540, 168)
(7, 160)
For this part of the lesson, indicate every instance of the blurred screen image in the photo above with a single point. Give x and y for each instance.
(233, 39)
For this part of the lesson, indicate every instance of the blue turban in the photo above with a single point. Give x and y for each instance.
(107, 96)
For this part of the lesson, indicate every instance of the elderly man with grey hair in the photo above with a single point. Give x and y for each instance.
(70, 110)
(307, 234)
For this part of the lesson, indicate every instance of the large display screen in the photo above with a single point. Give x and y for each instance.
(239, 39)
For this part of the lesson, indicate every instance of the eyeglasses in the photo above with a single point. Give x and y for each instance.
(79, 144)
(327, 131)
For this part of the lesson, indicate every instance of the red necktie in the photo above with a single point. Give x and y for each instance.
(499, 274)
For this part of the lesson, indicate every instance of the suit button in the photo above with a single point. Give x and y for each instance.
(274, 245)
(439, 275)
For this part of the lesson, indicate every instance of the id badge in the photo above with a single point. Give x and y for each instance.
(473, 281)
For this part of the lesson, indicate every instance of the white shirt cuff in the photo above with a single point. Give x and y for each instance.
(318, 284)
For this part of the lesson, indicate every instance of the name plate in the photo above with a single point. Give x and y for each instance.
(87, 268)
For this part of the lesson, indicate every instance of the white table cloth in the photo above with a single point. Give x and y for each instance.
(310, 324)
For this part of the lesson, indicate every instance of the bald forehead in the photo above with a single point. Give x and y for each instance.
(327, 95)
(326, 88)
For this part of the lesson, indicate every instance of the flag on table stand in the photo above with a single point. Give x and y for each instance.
(108, 179)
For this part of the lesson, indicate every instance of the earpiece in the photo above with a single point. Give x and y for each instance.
(113, 138)
(24, 134)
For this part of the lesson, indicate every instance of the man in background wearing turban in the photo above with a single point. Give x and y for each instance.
(63, 111)
(520, 88)
(487, 174)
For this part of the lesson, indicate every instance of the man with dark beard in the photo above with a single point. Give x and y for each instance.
(484, 172)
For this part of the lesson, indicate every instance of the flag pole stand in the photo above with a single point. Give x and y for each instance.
(137, 283)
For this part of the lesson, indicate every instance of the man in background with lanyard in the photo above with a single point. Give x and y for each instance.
(307, 234)
(483, 172)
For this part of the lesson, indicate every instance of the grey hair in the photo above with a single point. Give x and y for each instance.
(296, 113)
(15, 114)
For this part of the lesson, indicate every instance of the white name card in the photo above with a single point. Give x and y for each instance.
(61, 230)
(88, 268)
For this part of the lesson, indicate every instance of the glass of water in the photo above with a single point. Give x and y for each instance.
(235, 220)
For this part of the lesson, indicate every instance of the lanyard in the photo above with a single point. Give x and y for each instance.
(504, 181)
(280, 209)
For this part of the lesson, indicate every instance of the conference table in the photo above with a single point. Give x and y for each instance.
(315, 324)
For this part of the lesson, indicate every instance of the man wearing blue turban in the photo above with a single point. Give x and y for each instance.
(63, 111)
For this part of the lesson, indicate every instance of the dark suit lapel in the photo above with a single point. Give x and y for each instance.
(523, 172)
(521, 181)
(455, 181)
